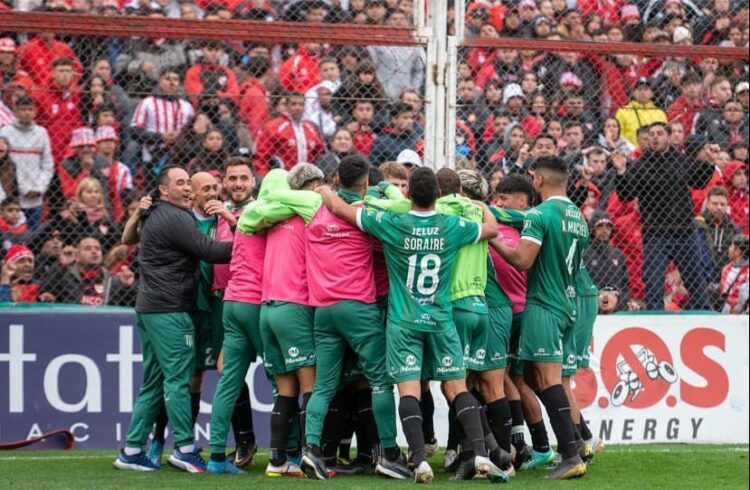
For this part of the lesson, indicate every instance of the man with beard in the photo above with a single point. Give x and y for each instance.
(16, 276)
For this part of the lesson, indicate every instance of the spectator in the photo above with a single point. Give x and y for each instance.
(17, 283)
(398, 137)
(503, 69)
(609, 300)
(410, 160)
(363, 84)
(142, 62)
(514, 102)
(398, 67)
(318, 108)
(330, 72)
(734, 279)
(9, 70)
(288, 139)
(661, 180)
(86, 282)
(8, 186)
(212, 154)
(342, 146)
(412, 97)
(36, 57)
(611, 140)
(157, 122)
(118, 175)
(687, 106)
(718, 228)
(363, 135)
(80, 165)
(471, 111)
(504, 158)
(720, 93)
(376, 11)
(734, 122)
(94, 95)
(122, 103)
(494, 143)
(606, 263)
(735, 178)
(300, 72)
(253, 104)
(209, 77)
(31, 153)
(59, 106)
(13, 227)
(237, 137)
(639, 112)
(190, 139)
(743, 95)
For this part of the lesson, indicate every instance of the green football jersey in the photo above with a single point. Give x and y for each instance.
(561, 231)
(469, 276)
(206, 279)
(420, 252)
(584, 285)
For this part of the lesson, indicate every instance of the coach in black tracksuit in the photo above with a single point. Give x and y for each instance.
(171, 248)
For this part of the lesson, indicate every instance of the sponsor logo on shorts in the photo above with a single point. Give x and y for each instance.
(411, 360)
(293, 352)
(426, 319)
(295, 357)
(497, 356)
(570, 292)
(541, 352)
(447, 361)
(481, 353)
(571, 360)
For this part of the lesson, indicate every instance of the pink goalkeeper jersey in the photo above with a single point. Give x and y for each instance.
(221, 271)
(284, 272)
(511, 279)
(246, 269)
(339, 261)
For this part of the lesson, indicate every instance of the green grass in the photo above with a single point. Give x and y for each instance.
(655, 466)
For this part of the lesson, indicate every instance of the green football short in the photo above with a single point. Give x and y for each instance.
(516, 364)
(546, 337)
(413, 355)
(209, 335)
(286, 330)
(484, 337)
(583, 328)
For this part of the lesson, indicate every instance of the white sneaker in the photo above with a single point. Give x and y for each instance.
(450, 458)
(486, 468)
(597, 444)
(423, 473)
(286, 469)
(431, 449)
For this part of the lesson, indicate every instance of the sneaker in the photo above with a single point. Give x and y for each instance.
(312, 463)
(222, 468)
(395, 469)
(243, 455)
(450, 462)
(136, 462)
(431, 448)
(155, 452)
(538, 459)
(501, 458)
(288, 468)
(522, 456)
(190, 462)
(597, 444)
(485, 467)
(342, 467)
(465, 470)
(586, 452)
(423, 473)
(570, 468)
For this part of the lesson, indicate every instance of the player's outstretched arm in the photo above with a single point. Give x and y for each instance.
(338, 206)
(489, 223)
(521, 257)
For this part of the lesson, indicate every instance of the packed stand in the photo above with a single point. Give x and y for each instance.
(657, 147)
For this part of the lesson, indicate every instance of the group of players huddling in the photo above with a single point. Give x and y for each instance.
(346, 292)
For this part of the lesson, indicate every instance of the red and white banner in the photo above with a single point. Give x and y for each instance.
(661, 378)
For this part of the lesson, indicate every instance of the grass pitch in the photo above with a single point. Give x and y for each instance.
(654, 466)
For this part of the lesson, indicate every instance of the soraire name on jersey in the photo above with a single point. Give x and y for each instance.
(419, 244)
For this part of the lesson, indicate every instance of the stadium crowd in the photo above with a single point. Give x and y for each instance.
(86, 124)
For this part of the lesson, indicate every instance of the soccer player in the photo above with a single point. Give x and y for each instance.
(516, 193)
(171, 247)
(240, 283)
(552, 243)
(420, 249)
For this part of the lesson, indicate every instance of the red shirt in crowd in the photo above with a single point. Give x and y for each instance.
(288, 141)
(628, 237)
(198, 74)
(300, 72)
(59, 111)
(254, 104)
(683, 111)
(36, 57)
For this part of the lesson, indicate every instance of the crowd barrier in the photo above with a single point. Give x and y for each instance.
(654, 378)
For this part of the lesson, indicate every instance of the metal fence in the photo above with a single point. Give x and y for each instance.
(116, 93)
